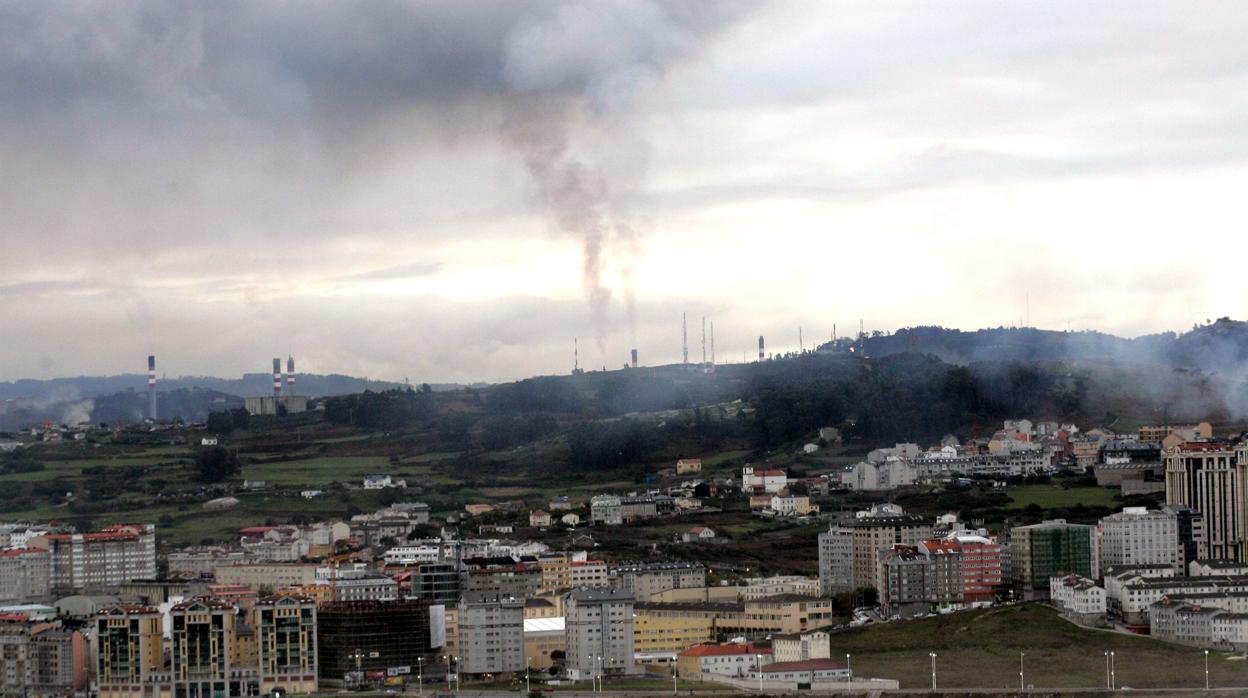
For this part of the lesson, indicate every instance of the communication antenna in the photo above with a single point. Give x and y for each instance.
(712, 342)
(684, 338)
(703, 339)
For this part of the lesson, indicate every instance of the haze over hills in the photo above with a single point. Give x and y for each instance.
(1219, 346)
(1190, 374)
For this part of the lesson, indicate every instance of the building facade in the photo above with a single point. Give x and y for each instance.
(1045, 550)
(599, 627)
(491, 634)
(1138, 536)
(1211, 478)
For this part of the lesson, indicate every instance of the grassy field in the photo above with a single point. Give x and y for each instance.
(1054, 496)
(980, 649)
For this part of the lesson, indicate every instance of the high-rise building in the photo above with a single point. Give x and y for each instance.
(1138, 536)
(1045, 550)
(1191, 527)
(24, 575)
(1211, 478)
(286, 648)
(599, 627)
(128, 648)
(491, 634)
(878, 530)
(836, 561)
(113, 556)
(201, 648)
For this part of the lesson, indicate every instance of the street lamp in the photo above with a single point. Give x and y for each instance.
(447, 657)
(527, 662)
(1113, 673)
(933, 656)
(1206, 670)
(848, 673)
(673, 665)
(1021, 685)
(420, 676)
(758, 658)
(1106, 668)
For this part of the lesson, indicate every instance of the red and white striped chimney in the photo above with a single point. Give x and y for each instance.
(277, 377)
(290, 375)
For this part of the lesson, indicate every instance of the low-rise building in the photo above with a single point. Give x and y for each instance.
(1078, 598)
(539, 519)
(704, 661)
(799, 647)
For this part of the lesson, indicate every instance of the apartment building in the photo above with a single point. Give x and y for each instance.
(285, 634)
(599, 627)
(1044, 550)
(1211, 478)
(115, 555)
(836, 561)
(201, 649)
(1134, 597)
(128, 647)
(491, 634)
(25, 576)
(875, 531)
(501, 576)
(1139, 536)
(644, 580)
(563, 572)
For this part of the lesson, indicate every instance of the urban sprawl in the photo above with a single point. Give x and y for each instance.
(375, 601)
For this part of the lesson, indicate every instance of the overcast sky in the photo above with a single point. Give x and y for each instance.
(453, 191)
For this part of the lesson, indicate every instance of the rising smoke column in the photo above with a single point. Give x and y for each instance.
(583, 71)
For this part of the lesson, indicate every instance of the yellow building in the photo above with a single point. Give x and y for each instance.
(542, 638)
(688, 466)
(668, 628)
(694, 594)
(285, 630)
(128, 647)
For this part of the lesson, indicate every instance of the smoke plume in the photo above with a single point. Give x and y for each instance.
(581, 75)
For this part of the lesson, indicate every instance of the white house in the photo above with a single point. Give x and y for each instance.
(770, 481)
(208, 441)
(698, 533)
(381, 482)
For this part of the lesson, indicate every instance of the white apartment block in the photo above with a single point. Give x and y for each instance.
(599, 627)
(491, 634)
(115, 555)
(836, 561)
(1137, 536)
(25, 576)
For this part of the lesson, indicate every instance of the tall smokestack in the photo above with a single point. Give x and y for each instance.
(634, 358)
(712, 342)
(290, 375)
(151, 387)
(760, 347)
(277, 377)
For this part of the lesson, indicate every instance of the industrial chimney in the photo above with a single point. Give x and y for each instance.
(277, 377)
(634, 358)
(151, 387)
(290, 375)
(760, 347)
